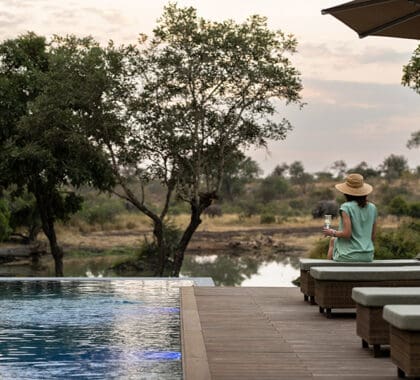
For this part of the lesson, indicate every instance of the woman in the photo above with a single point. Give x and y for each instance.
(353, 241)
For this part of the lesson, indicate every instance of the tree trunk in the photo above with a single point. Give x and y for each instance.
(195, 221)
(47, 220)
(160, 240)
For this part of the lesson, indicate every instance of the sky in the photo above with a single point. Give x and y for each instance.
(356, 108)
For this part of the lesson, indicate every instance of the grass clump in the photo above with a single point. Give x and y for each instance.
(401, 243)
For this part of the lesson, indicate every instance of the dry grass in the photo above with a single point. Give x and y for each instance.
(130, 230)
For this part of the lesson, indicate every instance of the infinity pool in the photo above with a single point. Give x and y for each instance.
(109, 329)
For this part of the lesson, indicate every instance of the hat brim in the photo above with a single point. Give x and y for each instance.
(359, 191)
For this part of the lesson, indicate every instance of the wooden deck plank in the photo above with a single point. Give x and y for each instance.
(271, 333)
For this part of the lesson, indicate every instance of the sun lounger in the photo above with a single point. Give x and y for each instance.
(333, 285)
(370, 325)
(404, 321)
(307, 285)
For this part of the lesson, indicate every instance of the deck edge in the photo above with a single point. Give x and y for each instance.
(195, 364)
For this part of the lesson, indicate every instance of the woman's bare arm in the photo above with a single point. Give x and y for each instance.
(373, 231)
(346, 231)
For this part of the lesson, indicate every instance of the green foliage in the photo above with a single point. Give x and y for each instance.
(24, 214)
(267, 219)
(403, 243)
(340, 168)
(387, 193)
(398, 206)
(297, 204)
(273, 187)
(54, 99)
(149, 249)
(366, 171)
(320, 249)
(411, 76)
(5, 229)
(203, 90)
(238, 172)
(414, 141)
(146, 259)
(414, 209)
(394, 166)
(321, 193)
(101, 211)
(250, 207)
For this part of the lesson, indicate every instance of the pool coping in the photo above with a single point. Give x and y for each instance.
(198, 281)
(195, 365)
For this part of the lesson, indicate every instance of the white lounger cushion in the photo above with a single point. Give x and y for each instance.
(404, 317)
(366, 273)
(386, 296)
(307, 264)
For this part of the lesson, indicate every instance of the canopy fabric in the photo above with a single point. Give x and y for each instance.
(389, 18)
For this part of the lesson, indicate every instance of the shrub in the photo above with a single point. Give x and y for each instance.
(267, 219)
(146, 260)
(402, 243)
(5, 229)
(387, 193)
(320, 249)
(273, 187)
(297, 204)
(414, 210)
(101, 210)
(398, 206)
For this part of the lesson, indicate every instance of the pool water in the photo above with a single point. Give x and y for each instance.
(87, 329)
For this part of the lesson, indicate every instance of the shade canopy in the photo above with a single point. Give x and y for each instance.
(389, 18)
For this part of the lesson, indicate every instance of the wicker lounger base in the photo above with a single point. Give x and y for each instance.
(405, 351)
(337, 294)
(372, 328)
(307, 286)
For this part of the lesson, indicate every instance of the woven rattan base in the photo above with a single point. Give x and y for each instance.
(370, 325)
(307, 285)
(405, 350)
(337, 294)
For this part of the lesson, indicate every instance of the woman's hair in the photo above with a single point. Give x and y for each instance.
(361, 199)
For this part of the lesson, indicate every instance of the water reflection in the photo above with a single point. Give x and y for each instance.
(96, 330)
(225, 269)
(230, 270)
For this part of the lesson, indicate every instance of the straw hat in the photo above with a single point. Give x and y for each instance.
(354, 185)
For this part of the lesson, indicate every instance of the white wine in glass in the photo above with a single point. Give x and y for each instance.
(327, 221)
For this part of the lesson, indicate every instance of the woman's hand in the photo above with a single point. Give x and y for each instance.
(328, 231)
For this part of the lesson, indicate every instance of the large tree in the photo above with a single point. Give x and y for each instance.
(394, 166)
(237, 173)
(206, 90)
(50, 107)
(411, 78)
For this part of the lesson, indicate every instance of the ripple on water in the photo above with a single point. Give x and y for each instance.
(89, 330)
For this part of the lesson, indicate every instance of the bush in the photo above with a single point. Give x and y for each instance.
(147, 258)
(5, 229)
(398, 206)
(414, 210)
(320, 249)
(388, 193)
(297, 204)
(272, 188)
(403, 243)
(267, 219)
(101, 210)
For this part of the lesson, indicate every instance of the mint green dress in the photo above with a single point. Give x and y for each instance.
(360, 246)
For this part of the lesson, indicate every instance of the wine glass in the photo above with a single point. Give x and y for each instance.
(327, 220)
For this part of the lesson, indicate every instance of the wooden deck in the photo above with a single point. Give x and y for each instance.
(270, 333)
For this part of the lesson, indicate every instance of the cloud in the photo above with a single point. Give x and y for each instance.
(339, 60)
(109, 15)
(9, 19)
(347, 121)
